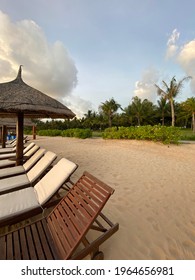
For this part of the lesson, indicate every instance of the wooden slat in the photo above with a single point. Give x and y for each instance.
(44, 242)
(86, 202)
(68, 218)
(10, 248)
(50, 241)
(3, 248)
(30, 244)
(102, 184)
(89, 192)
(58, 234)
(77, 213)
(94, 184)
(81, 214)
(24, 247)
(37, 243)
(16, 243)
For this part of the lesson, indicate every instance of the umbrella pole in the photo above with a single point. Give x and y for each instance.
(4, 131)
(19, 135)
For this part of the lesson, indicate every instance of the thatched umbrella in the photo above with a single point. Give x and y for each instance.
(17, 99)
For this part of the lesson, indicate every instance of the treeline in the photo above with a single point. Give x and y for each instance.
(137, 113)
(167, 112)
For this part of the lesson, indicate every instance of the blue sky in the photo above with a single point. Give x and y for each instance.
(84, 52)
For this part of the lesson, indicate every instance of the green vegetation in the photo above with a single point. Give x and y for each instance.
(187, 134)
(140, 119)
(155, 133)
(49, 132)
(78, 133)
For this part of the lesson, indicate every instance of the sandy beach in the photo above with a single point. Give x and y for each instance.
(154, 199)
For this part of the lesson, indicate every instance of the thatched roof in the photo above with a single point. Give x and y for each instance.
(16, 96)
(11, 122)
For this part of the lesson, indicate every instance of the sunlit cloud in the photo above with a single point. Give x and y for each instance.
(79, 105)
(144, 88)
(47, 66)
(172, 46)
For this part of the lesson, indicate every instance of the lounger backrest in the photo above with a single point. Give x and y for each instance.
(73, 216)
(53, 180)
(28, 147)
(31, 152)
(32, 160)
(41, 166)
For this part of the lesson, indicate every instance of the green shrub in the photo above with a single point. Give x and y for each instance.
(77, 132)
(73, 132)
(49, 132)
(154, 133)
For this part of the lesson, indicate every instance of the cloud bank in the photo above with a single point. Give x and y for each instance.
(186, 59)
(47, 67)
(145, 87)
(183, 55)
(172, 44)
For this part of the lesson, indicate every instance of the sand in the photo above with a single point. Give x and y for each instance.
(154, 199)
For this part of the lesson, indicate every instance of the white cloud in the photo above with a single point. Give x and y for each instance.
(145, 87)
(78, 105)
(47, 67)
(172, 44)
(186, 59)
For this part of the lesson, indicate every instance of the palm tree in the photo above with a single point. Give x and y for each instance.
(171, 91)
(141, 109)
(109, 108)
(189, 107)
(163, 108)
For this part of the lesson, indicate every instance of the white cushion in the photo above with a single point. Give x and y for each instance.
(28, 151)
(15, 170)
(6, 162)
(14, 182)
(31, 151)
(53, 180)
(28, 147)
(11, 171)
(32, 160)
(35, 172)
(15, 203)
(9, 155)
(7, 150)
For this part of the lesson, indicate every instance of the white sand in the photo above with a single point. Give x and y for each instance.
(154, 199)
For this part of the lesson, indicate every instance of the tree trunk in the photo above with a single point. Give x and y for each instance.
(193, 121)
(110, 120)
(163, 118)
(172, 113)
(19, 141)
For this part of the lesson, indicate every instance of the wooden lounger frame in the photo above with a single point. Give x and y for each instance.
(60, 235)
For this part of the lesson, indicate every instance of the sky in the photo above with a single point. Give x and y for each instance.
(84, 52)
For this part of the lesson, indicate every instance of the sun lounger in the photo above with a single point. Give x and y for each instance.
(13, 183)
(17, 170)
(12, 161)
(24, 203)
(13, 154)
(61, 234)
(11, 145)
(10, 149)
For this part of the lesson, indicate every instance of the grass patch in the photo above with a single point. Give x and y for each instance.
(187, 134)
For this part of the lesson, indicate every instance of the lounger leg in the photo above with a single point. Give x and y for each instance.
(97, 255)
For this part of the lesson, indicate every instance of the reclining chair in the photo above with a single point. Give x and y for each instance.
(61, 234)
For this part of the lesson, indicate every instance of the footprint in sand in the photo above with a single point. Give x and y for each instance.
(154, 224)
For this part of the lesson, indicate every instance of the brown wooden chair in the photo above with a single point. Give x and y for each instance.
(62, 235)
